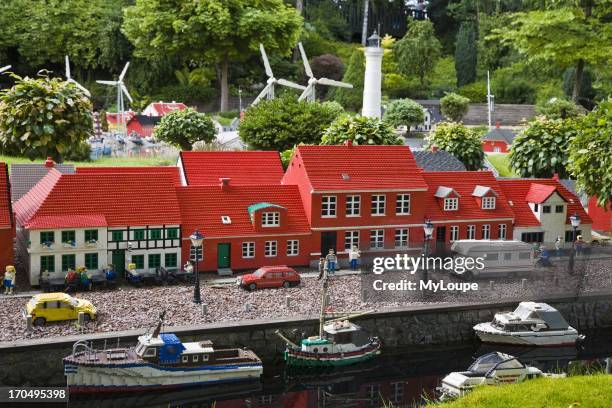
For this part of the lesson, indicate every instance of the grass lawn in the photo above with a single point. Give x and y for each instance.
(103, 161)
(593, 391)
(501, 162)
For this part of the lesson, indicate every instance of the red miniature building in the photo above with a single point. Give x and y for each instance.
(498, 139)
(171, 171)
(162, 108)
(7, 220)
(142, 125)
(601, 216)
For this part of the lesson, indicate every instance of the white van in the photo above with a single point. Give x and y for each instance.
(500, 258)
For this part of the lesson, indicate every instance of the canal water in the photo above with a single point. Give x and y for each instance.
(398, 378)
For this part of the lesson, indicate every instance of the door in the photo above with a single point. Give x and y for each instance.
(440, 239)
(118, 259)
(223, 256)
(328, 241)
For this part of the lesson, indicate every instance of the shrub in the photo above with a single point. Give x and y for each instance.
(454, 106)
(556, 108)
(398, 86)
(352, 99)
(183, 128)
(404, 112)
(476, 92)
(460, 141)
(360, 130)
(513, 90)
(187, 94)
(327, 66)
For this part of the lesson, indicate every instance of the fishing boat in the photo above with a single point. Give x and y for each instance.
(339, 342)
(158, 361)
(531, 324)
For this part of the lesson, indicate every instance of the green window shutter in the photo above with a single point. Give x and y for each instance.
(47, 236)
(91, 235)
(68, 262)
(172, 233)
(47, 263)
(154, 260)
(155, 233)
(139, 234)
(138, 260)
(170, 260)
(117, 236)
(91, 261)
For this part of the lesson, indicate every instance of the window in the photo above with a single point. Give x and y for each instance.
(492, 256)
(68, 262)
(535, 208)
(532, 237)
(378, 204)
(170, 260)
(155, 233)
(47, 263)
(150, 352)
(353, 206)
(91, 235)
(546, 209)
(559, 209)
(68, 236)
(293, 247)
(196, 357)
(569, 235)
(139, 234)
(47, 237)
(117, 236)
(471, 232)
(402, 205)
(454, 232)
(138, 260)
(451, 204)
(91, 261)
(488, 203)
(496, 149)
(377, 238)
(524, 255)
(328, 206)
(270, 219)
(172, 233)
(398, 391)
(154, 261)
(248, 250)
(501, 229)
(508, 256)
(185, 359)
(270, 248)
(486, 231)
(401, 238)
(351, 238)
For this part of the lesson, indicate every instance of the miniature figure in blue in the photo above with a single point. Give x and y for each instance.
(9, 279)
(331, 260)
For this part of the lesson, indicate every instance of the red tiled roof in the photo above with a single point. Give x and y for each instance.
(244, 168)
(123, 199)
(6, 215)
(464, 183)
(516, 190)
(538, 193)
(150, 170)
(203, 206)
(113, 117)
(361, 167)
(166, 107)
(67, 221)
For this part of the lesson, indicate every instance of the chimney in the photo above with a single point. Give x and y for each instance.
(555, 176)
(49, 162)
(349, 143)
(224, 182)
(498, 124)
(434, 148)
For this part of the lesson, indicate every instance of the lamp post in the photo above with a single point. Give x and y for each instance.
(196, 242)
(575, 221)
(428, 229)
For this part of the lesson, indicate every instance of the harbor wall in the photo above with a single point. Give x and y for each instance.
(39, 361)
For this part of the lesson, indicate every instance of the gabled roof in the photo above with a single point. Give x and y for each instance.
(254, 207)
(464, 184)
(6, 209)
(538, 193)
(203, 206)
(505, 135)
(243, 168)
(113, 117)
(443, 192)
(162, 108)
(24, 176)
(149, 170)
(516, 190)
(367, 168)
(481, 191)
(440, 160)
(145, 120)
(121, 199)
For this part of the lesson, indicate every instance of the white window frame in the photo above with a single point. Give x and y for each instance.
(351, 238)
(271, 249)
(402, 236)
(486, 231)
(148, 353)
(454, 232)
(377, 238)
(402, 204)
(293, 247)
(270, 219)
(328, 206)
(379, 201)
(353, 206)
(488, 203)
(500, 228)
(451, 204)
(248, 250)
(471, 232)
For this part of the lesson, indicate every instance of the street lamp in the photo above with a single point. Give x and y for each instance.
(428, 229)
(196, 242)
(575, 221)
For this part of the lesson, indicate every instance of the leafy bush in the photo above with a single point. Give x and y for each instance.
(327, 66)
(460, 141)
(183, 128)
(513, 90)
(360, 130)
(398, 86)
(476, 92)
(442, 79)
(187, 94)
(352, 99)
(556, 108)
(547, 90)
(404, 112)
(78, 152)
(281, 123)
(454, 106)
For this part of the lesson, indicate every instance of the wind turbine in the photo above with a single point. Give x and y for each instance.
(6, 68)
(309, 92)
(121, 91)
(268, 91)
(69, 79)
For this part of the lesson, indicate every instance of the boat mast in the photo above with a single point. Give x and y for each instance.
(159, 324)
(323, 304)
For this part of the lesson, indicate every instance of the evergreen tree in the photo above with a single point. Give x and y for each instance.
(465, 54)
(352, 99)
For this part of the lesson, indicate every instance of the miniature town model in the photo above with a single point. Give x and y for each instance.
(158, 361)
(531, 324)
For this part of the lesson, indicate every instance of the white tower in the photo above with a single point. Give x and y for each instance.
(373, 78)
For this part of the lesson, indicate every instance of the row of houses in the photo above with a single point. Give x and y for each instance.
(253, 213)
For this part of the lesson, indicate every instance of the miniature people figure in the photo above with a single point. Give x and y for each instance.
(558, 246)
(71, 279)
(9, 279)
(354, 255)
(331, 260)
(579, 245)
(84, 277)
(321, 268)
(535, 248)
(110, 273)
(188, 267)
(544, 256)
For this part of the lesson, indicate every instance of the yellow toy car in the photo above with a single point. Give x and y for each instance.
(52, 307)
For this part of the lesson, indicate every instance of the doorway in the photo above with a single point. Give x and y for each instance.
(118, 260)
(328, 241)
(223, 255)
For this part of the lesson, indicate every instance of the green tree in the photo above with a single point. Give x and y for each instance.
(466, 54)
(542, 149)
(281, 123)
(556, 108)
(454, 106)
(360, 130)
(352, 99)
(590, 153)
(404, 112)
(43, 117)
(418, 51)
(460, 141)
(223, 30)
(185, 127)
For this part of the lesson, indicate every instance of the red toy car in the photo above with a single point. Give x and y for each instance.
(270, 277)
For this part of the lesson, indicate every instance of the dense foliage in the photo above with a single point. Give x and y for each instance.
(404, 112)
(460, 141)
(454, 106)
(185, 127)
(557, 108)
(466, 54)
(360, 130)
(419, 50)
(352, 99)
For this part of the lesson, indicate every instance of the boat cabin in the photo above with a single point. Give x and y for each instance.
(530, 316)
(345, 332)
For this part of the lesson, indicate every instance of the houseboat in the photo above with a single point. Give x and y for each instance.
(531, 324)
(158, 361)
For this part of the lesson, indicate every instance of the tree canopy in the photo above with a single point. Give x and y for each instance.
(404, 112)
(419, 50)
(454, 106)
(185, 127)
(360, 130)
(460, 141)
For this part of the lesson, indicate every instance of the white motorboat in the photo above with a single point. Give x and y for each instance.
(531, 324)
(491, 369)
